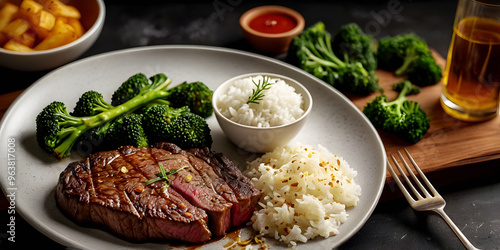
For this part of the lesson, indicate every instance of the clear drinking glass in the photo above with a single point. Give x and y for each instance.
(471, 83)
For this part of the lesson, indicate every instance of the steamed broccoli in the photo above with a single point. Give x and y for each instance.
(126, 130)
(408, 55)
(402, 117)
(129, 89)
(57, 131)
(196, 95)
(392, 50)
(400, 85)
(425, 71)
(90, 103)
(176, 125)
(312, 51)
(351, 43)
(92, 140)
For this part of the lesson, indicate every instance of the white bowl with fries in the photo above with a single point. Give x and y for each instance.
(37, 35)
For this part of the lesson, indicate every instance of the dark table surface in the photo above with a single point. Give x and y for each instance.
(473, 204)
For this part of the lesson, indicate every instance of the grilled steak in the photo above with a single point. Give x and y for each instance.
(246, 194)
(109, 189)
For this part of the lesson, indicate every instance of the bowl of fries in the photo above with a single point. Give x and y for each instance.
(37, 35)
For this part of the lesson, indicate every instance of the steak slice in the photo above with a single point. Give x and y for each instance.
(194, 190)
(204, 199)
(208, 175)
(105, 189)
(246, 193)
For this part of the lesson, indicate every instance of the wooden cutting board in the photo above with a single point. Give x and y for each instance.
(449, 144)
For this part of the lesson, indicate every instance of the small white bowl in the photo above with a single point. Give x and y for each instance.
(259, 139)
(93, 13)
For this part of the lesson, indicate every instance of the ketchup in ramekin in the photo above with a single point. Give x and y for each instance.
(273, 23)
(271, 28)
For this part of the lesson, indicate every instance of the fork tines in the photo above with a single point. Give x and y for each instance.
(429, 202)
(424, 191)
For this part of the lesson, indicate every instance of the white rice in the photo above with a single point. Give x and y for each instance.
(305, 192)
(280, 105)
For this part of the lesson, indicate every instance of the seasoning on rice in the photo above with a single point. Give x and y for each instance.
(305, 193)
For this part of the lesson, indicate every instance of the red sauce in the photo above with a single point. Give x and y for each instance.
(273, 23)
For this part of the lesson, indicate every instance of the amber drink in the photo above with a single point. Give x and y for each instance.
(471, 83)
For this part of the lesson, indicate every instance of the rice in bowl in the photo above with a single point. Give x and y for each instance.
(305, 193)
(280, 104)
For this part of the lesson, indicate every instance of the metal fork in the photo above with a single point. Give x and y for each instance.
(429, 201)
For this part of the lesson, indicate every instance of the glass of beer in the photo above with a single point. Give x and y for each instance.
(471, 83)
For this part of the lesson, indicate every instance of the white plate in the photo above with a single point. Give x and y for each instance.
(334, 123)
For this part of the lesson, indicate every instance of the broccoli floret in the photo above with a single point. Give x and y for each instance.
(392, 50)
(400, 85)
(90, 103)
(129, 89)
(408, 55)
(126, 130)
(57, 131)
(312, 51)
(402, 117)
(196, 95)
(92, 140)
(352, 44)
(425, 71)
(163, 123)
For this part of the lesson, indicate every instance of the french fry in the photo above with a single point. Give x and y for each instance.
(75, 23)
(6, 14)
(61, 34)
(57, 8)
(31, 6)
(15, 46)
(29, 10)
(16, 27)
(27, 39)
(43, 24)
(38, 25)
(47, 20)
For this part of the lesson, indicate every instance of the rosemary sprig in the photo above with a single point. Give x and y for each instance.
(257, 94)
(162, 175)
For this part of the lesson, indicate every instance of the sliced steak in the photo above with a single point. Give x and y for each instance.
(107, 190)
(211, 179)
(246, 193)
(203, 199)
(190, 184)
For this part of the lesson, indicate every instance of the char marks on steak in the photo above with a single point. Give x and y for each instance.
(246, 194)
(108, 189)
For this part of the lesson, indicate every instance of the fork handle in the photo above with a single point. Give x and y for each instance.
(455, 229)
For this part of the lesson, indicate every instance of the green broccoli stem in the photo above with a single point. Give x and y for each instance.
(325, 46)
(103, 106)
(154, 92)
(64, 148)
(361, 69)
(398, 102)
(335, 63)
(411, 56)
